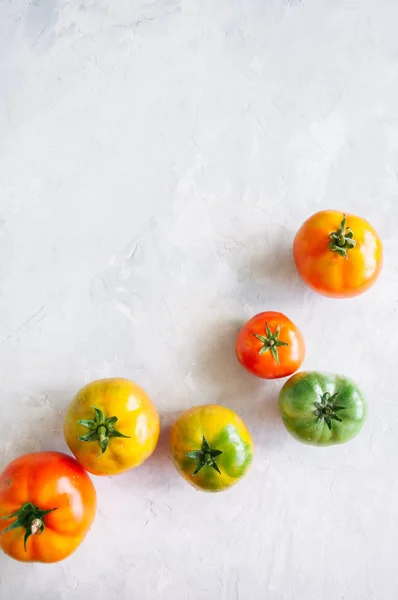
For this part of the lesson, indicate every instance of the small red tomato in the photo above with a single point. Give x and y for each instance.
(270, 346)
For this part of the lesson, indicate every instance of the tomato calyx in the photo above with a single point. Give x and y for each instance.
(31, 518)
(342, 240)
(327, 408)
(271, 341)
(100, 429)
(205, 457)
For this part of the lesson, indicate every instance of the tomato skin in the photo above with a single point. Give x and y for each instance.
(326, 271)
(224, 431)
(137, 418)
(307, 401)
(249, 347)
(48, 480)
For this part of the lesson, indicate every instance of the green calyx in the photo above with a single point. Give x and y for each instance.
(30, 518)
(205, 457)
(271, 341)
(100, 430)
(327, 408)
(342, 240)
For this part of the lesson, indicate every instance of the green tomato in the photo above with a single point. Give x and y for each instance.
(322, 408)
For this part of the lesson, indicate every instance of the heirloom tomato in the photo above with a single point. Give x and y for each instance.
(47, 506)
(338, 255)
(211, 447)
(322, 408)
(111, 426)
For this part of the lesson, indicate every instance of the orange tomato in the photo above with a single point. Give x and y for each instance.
(111, 426)
(270, 346)
(47, 506)
(338, 255)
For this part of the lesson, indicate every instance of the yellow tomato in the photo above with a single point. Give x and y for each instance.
(211, 447)
(111, 426)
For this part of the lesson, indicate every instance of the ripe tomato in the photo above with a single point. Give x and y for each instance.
(211, 447)
(270, 346)
(47, 506)
(322, 408)
(111, 426)
(338, 255)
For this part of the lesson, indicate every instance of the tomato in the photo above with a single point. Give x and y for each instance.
(338, 255)
(321, 408)
(270, 346)
(47, 506)
(111, 426)
(211, 447)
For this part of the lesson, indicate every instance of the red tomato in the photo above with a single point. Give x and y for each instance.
(270, 346)
(47, 506)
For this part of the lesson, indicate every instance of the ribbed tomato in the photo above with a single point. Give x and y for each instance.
(47, 506)
(322, 408)
(111, 426)
(211, 447)
(338, 255)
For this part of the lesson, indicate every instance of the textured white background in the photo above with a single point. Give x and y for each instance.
(156, 159)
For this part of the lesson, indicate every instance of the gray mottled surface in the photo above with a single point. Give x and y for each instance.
(156, 159)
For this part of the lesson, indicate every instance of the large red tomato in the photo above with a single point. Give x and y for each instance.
(47, 506)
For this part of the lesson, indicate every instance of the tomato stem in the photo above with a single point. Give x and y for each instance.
(342, 240)
(271, 341)
(205, 457)
(100, 429)
(102, 433)
(30, 517)
(37, 527)
(327, 408)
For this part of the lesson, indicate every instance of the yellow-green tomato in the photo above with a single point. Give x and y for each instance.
(211, 447)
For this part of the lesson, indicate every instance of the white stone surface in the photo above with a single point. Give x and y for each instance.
(156, 159)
